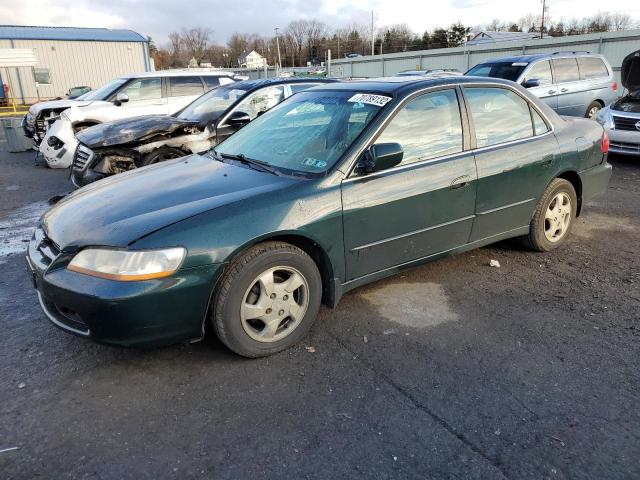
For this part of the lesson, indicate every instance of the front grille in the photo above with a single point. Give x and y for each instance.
(626, 123)
(82, 158)
(625, 147)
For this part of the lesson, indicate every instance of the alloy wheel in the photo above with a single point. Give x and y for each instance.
(274, 304)
(557, 217)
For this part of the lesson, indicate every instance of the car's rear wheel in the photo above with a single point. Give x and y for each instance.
(593, 109)
(267, 299)
(553, 218)
(160, 155)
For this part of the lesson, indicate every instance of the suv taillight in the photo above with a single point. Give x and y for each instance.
(605, 142)
(614, 87)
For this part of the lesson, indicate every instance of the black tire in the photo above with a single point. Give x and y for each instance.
(592, 110)
(239, 276)
(537, 239)
(160, 155)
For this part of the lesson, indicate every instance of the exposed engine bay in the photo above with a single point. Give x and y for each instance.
(628, 103)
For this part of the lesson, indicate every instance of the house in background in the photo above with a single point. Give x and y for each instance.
(252, 60)
(483, 38)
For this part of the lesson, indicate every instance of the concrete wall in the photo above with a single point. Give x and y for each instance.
(613, 45)
(72, 63)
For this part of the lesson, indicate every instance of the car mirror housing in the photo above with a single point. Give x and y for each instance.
(532, 82)
(380, 156)
(238, 118)
(121, 98)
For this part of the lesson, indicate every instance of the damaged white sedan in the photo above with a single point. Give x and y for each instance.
(115, 147)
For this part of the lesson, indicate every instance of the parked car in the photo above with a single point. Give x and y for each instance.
(430, 72)
(336, 187)
(621, 120)
(115, 147)
(578, 84)
(162, 93)
(75, 92)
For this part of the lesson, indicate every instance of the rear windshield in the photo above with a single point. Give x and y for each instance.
(507, 70)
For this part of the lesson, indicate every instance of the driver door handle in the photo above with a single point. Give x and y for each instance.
(551, 92)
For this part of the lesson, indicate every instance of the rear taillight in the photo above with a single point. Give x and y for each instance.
(614, 87)
(605, 142)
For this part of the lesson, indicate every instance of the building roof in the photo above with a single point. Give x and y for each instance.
(20, 32)
(495, 37)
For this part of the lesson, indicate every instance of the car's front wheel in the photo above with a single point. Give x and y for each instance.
(553, 218)
(267, 299)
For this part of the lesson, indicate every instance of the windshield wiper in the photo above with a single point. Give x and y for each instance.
(257, 164)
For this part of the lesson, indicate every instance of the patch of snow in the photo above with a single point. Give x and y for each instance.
(17, 228)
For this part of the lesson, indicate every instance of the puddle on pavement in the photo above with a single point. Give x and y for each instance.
(418, 305)
(16, 228)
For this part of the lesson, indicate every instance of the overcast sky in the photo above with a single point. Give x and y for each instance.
(159, 17)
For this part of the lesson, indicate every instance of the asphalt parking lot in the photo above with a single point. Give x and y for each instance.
(452, 370)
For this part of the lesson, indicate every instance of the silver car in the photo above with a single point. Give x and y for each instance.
(579, 84)
(621, 120)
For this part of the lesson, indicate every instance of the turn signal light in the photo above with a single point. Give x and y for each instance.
(605, 142)
(614, 87)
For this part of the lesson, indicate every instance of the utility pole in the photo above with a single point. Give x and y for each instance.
(542, 22)
(372, 36)
(278, 44)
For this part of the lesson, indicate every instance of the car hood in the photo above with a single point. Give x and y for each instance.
(630, 71)
(119, 210)
(56, 105)
(129, 130)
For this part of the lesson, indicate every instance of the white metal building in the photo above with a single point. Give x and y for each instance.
(67, 57)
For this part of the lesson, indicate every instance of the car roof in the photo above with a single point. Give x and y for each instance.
(397, 86)
(538, 56)
(181, 73)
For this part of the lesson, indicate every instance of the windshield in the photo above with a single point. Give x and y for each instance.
(212, 104)
(103, 92)
(507, 70)
(307, 133)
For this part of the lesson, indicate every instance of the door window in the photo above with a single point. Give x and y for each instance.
(185, 86)
(499, 115)
(566, 70)
(539, 126)
(541, 71)
(428, 126)
(261, 101)
(211, 82)
(143, 89)
(592, 67)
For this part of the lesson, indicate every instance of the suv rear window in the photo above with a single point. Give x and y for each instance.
(185, 86)
(565, 70)
(592, 67)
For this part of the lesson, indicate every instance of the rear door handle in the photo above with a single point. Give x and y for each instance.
(563, 90)
(460, 182)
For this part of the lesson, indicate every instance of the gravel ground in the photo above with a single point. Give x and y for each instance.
(452, 370)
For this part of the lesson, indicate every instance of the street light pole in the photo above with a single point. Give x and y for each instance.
(278, 45)
(542, 22)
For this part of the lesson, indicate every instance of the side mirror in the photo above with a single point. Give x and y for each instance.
(238, 119)
(532, 82)
(380, 156)
(121, 98)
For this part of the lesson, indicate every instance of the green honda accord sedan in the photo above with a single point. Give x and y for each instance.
(336, 187)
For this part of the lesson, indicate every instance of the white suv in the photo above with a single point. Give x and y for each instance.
(151, 93)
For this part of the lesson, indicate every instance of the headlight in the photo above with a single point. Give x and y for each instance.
(128, 266)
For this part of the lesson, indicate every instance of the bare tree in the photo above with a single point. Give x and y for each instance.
(297, 33)
(621, 21)
(315, 33)
(196, 41)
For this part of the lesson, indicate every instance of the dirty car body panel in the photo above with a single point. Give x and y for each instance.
(358, 225)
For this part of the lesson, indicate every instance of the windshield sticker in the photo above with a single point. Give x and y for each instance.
(377, 100)
(314, 163)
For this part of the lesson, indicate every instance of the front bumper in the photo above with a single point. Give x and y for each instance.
(60, 154)
(146, 313)
(626, 142)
